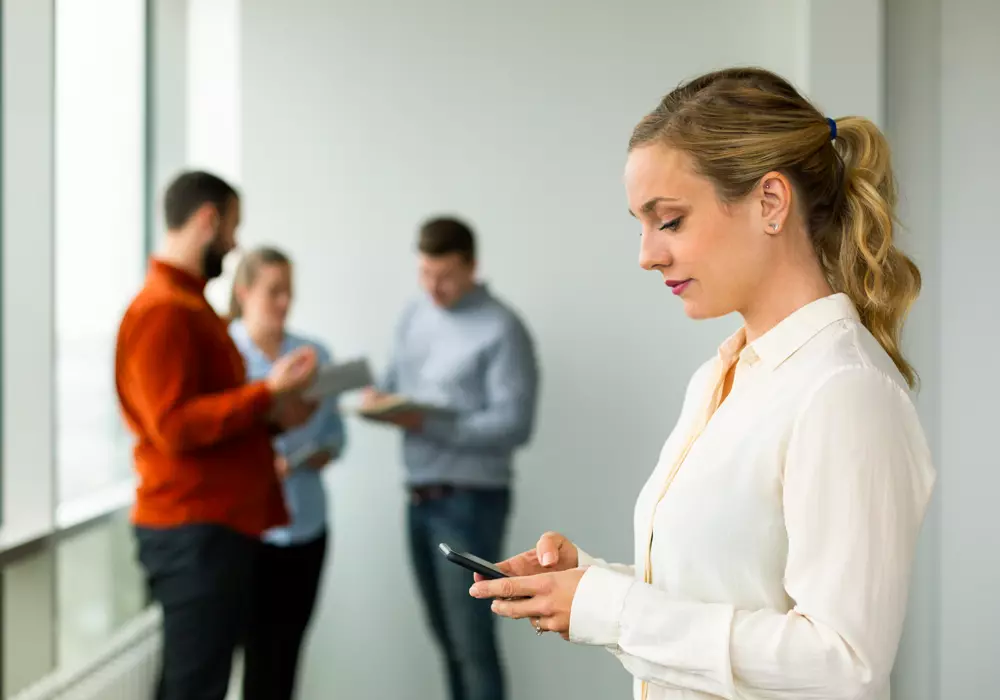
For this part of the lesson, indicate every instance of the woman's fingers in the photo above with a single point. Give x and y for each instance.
(511, 567)
(540, 598)
(507, 588)
(535, 608)
(547, 549)
(524, 564)
(551, 549)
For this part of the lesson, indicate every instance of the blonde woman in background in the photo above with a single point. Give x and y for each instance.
(291, 558)
(774, 539)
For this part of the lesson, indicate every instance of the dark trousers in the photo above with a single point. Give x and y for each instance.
(284, 597)
(201, 577)
(472, 521)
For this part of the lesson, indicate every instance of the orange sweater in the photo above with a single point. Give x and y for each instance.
(203, 449)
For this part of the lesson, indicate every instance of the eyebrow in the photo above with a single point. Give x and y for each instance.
(651, 204)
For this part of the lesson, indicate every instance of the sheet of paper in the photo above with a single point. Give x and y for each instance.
(389, 405)
(298, 458)
(334, 379)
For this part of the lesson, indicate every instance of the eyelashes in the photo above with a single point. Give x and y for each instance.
(672, 225)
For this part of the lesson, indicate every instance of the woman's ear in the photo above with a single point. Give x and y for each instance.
(241, 292)
(775, 192)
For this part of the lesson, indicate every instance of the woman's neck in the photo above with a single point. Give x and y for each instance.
(785, 292)
(268, 341)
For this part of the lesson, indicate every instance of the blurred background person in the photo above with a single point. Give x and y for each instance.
(460, 347)
(207, 488)
(292, 559)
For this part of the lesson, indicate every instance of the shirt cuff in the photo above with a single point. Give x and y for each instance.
(584, 560)
(595, 616)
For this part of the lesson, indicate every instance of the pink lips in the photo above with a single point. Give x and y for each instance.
(678, 287)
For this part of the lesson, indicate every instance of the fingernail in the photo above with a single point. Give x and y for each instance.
(494, 605)
(548, 559)
(474, 592)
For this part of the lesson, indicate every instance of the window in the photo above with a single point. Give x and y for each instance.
(26, 156)
(74, 191)
(65, 601)
(99, 224)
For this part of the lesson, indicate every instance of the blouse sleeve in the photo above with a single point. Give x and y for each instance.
(857, 481)
(586, 561)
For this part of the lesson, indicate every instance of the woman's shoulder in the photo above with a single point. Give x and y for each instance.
(848, 380)
(849, 351)
(702, 377)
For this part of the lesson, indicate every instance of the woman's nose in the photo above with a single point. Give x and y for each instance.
(653, 254)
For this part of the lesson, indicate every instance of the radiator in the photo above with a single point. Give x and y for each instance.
(124, 670)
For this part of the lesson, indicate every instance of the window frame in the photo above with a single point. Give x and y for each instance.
(63, 520)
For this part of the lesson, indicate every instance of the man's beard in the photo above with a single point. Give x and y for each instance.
(211, 260)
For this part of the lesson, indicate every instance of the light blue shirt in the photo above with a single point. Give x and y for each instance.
(477, 359)
(305, 494)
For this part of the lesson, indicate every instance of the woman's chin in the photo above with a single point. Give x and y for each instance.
(700, 311)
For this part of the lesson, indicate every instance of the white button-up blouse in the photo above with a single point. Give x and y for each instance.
(781, 552)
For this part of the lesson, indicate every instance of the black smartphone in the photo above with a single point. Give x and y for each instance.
(471, 562)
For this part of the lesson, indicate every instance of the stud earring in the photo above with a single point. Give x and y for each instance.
(774, 226)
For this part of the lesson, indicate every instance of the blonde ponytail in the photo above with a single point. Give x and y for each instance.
(239, 280)
(863, 261)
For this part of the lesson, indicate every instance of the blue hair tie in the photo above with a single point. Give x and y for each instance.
(833, 128)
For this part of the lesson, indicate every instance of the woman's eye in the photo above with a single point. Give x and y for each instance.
(671, 225)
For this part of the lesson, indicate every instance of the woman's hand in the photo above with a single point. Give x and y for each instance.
(292, 372)
(320, 459)
(547, 598)
(552, 553)
(281, 466)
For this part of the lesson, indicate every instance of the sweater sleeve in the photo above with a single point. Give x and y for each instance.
(161, 359)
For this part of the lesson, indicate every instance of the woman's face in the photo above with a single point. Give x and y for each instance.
(713, 256)
(267, 300)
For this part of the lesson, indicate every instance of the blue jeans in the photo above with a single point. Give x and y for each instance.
(471, 521)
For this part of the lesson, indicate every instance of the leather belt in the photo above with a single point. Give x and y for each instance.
(430, 492)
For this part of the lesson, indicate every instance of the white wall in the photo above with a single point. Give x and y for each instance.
(213, 84)
(168, 114)
(844, 82)
(913, 124)
(213, 105)
(969, 336)
(943, 59)
(358, 120)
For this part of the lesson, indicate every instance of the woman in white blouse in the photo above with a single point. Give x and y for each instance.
(774, 538)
